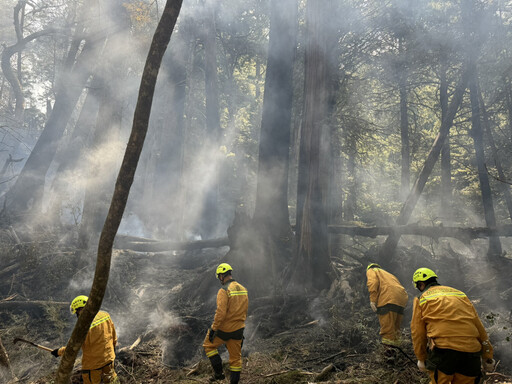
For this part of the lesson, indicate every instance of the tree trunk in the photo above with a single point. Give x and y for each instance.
(446, 167)
(405, 178)
(351, 202)
(313, 266)
(271, 215)
(123, 184)
(389, 247)
(165, 168)
(101, 172)
(271, 206)
(209, 219)
(504, 187)
(485, 188)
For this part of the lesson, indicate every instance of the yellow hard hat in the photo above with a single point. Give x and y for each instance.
(423, 274)
(78, 302)
(373, 265)
(223, 268)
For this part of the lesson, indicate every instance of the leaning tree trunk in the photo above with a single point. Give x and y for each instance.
(388, 248)
(313, 266)
(495, 249)
(27, 193)
(122, 189)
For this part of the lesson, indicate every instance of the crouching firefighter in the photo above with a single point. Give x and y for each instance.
(388, 299)
(448, 337)
(228, 325)
(98, 349)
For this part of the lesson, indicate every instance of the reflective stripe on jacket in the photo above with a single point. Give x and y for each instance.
(448, 318)
(99, 344)
(384, 288)
(232, 305)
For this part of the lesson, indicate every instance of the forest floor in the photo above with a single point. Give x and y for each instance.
(161, 324)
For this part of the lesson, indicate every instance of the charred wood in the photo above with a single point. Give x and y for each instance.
(460, 233)
(162, 246)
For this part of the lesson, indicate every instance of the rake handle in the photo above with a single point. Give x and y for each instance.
(33, 344)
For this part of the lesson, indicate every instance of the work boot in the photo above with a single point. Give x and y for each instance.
(235, 377)
(216, 362)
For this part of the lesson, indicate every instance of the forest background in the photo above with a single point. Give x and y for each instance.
(298, 133)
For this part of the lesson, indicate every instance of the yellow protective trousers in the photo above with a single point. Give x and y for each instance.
(456, 378)
(106, 375)
(234, 348)
(390, 328)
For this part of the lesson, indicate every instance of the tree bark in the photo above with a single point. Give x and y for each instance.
(123, 184)
(209, 219)
(405, 178)
(271, 216)
(388, 248)
(446, 168)
(312, 266)
(505, 188)
(271, 205)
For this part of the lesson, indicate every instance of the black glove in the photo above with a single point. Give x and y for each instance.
(211, 335)
(55, 352)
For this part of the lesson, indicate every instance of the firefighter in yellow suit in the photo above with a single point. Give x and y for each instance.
(448, 337)
(388, 299)
(98, 349)
(228, 325)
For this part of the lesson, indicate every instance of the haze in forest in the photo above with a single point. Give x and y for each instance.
(284, 120)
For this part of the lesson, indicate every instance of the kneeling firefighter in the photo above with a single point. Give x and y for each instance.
(228, 325)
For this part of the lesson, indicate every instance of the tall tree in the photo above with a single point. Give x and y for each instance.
(271, 215)
(122, 188)
(210, 215)
(313, 265)
(478, 140)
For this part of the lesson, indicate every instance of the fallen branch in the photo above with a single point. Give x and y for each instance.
(30, 304)
(311, 323)
(287, 371)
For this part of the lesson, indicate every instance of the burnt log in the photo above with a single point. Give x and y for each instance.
(162, 246)
(461, 233)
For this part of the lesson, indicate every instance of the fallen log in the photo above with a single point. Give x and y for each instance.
(30, 304)
(163, 246)
(461, 233)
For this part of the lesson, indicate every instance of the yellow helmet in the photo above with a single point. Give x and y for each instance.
(78, 302)
(223, 268)
(373, 265)
(423, 274)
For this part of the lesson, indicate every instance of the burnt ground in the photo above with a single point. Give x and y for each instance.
(157, 303)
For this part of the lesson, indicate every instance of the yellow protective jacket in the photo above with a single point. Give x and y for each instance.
(384, 288)
(444, 317)
(232, 304)
(99, 344)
